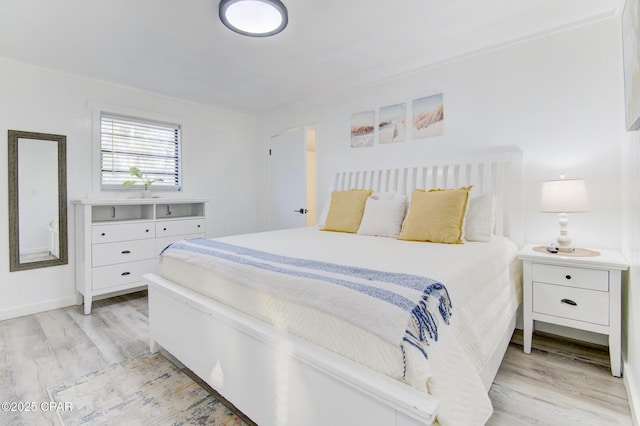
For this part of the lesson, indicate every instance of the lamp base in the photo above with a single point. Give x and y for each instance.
(564, 242)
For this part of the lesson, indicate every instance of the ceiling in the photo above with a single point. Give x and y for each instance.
(181, 49)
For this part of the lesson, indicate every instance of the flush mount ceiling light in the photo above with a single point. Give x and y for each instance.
(255, 18)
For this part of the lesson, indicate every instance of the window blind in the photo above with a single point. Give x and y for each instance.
(153, 147)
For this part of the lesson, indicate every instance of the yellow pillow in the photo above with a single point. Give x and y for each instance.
(436, 215)
(346, 210)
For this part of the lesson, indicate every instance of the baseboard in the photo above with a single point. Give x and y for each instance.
(21, 311)
(632, 385)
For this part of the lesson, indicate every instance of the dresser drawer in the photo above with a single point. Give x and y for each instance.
(168, 228)
(121, 274)
(590, 305)
(122, 232)
(574, 277)
(122, 251)
(162, 243)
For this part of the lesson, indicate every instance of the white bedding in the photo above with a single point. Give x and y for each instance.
(482, 280)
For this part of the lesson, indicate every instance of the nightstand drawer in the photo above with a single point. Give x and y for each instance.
(592, 279)
(570, 302)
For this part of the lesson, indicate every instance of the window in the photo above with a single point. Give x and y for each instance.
(151, 146)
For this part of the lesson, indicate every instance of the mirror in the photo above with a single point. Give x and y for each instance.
(37, 200)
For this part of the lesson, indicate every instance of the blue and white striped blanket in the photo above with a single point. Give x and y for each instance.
(400, 308)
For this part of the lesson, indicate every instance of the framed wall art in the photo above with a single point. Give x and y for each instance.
(428, 116)
(393, 123)
(362, 129)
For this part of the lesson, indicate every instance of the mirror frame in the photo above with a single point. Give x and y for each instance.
(14, 226)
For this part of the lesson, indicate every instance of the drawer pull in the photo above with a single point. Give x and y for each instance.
(125, 252)
(568, 277)
(146, 230)
(569, 302)
(103, 234)
(198, 226)
(164, 229)
(124, 274)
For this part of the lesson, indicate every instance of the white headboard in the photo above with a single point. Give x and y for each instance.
(498, 170)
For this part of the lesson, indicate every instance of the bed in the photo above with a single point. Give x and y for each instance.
(294, 357)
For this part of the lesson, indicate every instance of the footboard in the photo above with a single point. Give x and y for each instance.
(273, 377)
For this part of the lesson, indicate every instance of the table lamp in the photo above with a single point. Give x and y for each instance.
(564, 196)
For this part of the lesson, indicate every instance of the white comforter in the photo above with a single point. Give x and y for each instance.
(482, 280)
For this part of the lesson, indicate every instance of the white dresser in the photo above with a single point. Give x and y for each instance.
(117, 241)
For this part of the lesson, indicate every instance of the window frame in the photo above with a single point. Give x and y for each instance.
(143, 119)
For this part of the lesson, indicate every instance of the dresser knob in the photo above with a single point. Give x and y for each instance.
(103, 234)
(146, 230)
(198, 226)
(568, 277)
(164, 229)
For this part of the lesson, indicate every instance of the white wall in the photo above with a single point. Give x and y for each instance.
(558, 97)
(218, 152)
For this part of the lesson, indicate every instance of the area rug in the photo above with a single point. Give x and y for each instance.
(148, 390)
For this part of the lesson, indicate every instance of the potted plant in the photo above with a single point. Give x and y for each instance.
(141, 177)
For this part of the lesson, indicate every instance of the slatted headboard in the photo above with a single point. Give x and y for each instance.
(497, 170)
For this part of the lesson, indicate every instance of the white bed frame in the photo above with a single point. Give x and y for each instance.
(278, 379)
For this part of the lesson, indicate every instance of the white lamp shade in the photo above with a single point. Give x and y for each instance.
(564, 196)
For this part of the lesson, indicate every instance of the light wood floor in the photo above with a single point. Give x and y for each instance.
(561, 382)
(552, 386)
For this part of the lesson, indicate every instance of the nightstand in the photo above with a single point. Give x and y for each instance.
(582, 292)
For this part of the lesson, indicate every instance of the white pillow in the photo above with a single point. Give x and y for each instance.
(481, 218)
(385, 195)
(383, 217)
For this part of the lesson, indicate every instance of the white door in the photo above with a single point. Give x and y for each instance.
(288, 180)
